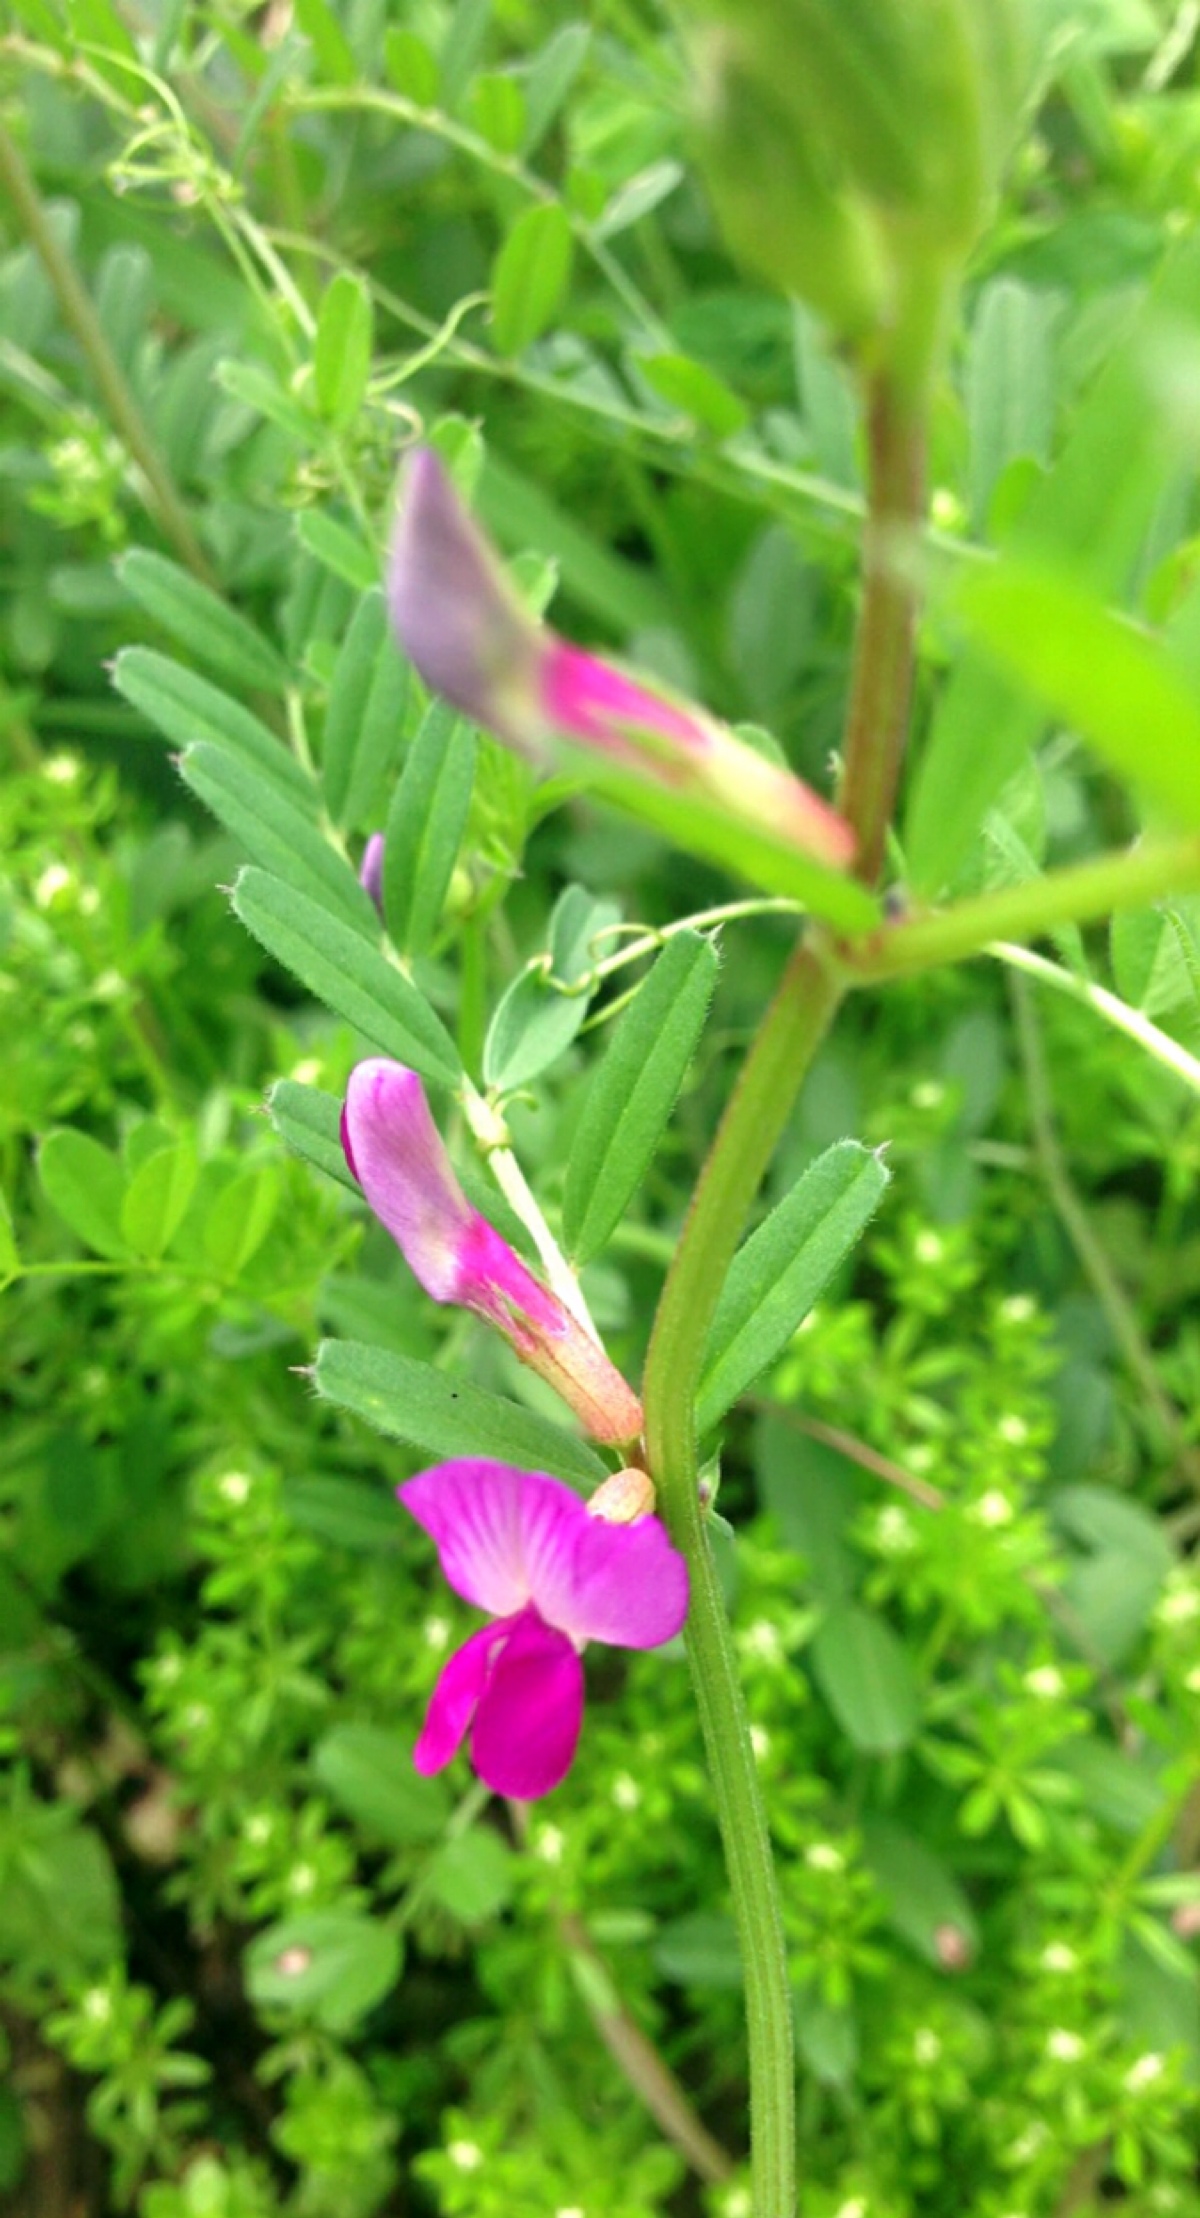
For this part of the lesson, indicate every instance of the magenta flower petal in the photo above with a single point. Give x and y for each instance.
(592, 700)
(395, 1151)
(527, 1724)
(504, 1537)
(508, 1539)
(454, 1700)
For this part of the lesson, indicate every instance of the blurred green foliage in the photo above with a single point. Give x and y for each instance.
(250, 1964)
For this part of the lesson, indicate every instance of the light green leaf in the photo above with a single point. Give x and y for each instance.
(342, 350)
(1111, 683)
(343, 970)
(922, 1897)
(187, 709)
(86, 1185)
(202, 623)
(539, 1015)
(1009, 384)
(782, 1268)
(309, 1122)
(368, 1771)
(868, 1678)
(337, 549)
(634, 1090)
(9, 1253)
(411, 68)
(364, 722)
(335, 55)
(240, 1219)
(362, 1519)
(639, 196)
(332, 1966)
(425, 826)
(447, 1416)
(700, 1950)
(277, 833)
(698, 391)
(498, 110)
(530, 276)
(157, 1197)
(473, 1876)
(549, 78)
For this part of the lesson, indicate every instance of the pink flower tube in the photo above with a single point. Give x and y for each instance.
(523, 1547)
(396, 1153)
(462, 626)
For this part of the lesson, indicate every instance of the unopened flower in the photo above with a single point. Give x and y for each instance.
(463, 627)
(370, 870)
(396, 1153)
(521, 1546)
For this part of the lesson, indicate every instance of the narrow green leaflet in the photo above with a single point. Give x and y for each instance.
(443, 1415)
(868, 1678)
(1108, 680)
(695, 389)
(342, 351)
(530, 276)
(922, 1897)
(337, 549)
(782, 1268)
(240, 1218)
(1009, 384)
(335, 55)
(202, 623)
(331, 1966)
(706, 828)
(276, 833)
(187, 709)
(157, 1197)
(634, 1090)
(86, 1185)
(9, 1253)
(350, 976)
(364, 722)
(425, 825)
(540, 1013)
(309, 1122)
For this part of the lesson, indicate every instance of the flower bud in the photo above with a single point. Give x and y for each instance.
(469, 638)
(395, 1151)
(623, 1497)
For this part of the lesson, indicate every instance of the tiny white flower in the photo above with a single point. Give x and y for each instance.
(946, 509)
(307, 1071)
(762, 1640)
(548, 1844)
(922, 1457)
(1058, 1957)
(436, 1633)
(56, 879)
(196, 1716)
(626, 1792)
(1046, 1682)
(61, 770)
(1192, 1680)
(89, 900)
(1179, 1605)
(301, 1880)
(1013, 1429)
(258, 1828)
(928, 1095)
(1017, 1309)
(1065, 2047)
(894, 1533)
(929, 1247)
(855, 2208)
(1144, 2071)
(97, 2005)
(570, 2210)
(467, 2155)
(234, 1486)
(993, 1509)
(760, 1742)
(927, 2045)
(824, 1856)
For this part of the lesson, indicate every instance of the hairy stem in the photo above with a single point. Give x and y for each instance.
(80, 317)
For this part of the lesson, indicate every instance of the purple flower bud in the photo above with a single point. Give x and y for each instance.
(370, 870)
(468, 636)
(396, 1153)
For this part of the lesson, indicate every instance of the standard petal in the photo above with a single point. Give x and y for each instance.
(627, 1585)
(527, 1724)
(453, 1701)
(396, 1153)
(505, 1537)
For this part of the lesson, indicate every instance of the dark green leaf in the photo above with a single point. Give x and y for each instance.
(425, 826)
(530, 276)
(364, 722)
(369, 1772)
(353, 978)
(700, 1950)
(329, 1965)
(922, 1897)
(634, 1090)
(783, 1267)
(187, 709)
(309, 1122)
(868, 1678)
(444, 1415)
(202, 623)
(539, 1015)
(277, 833)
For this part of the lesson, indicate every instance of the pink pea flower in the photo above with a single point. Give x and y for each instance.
(463, 627)
(551, 1577)
(370, 870)
(396, 1153)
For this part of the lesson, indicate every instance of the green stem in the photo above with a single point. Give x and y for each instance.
(81, 318)
(1077, 895)
(881, 682)
(761, 1102)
